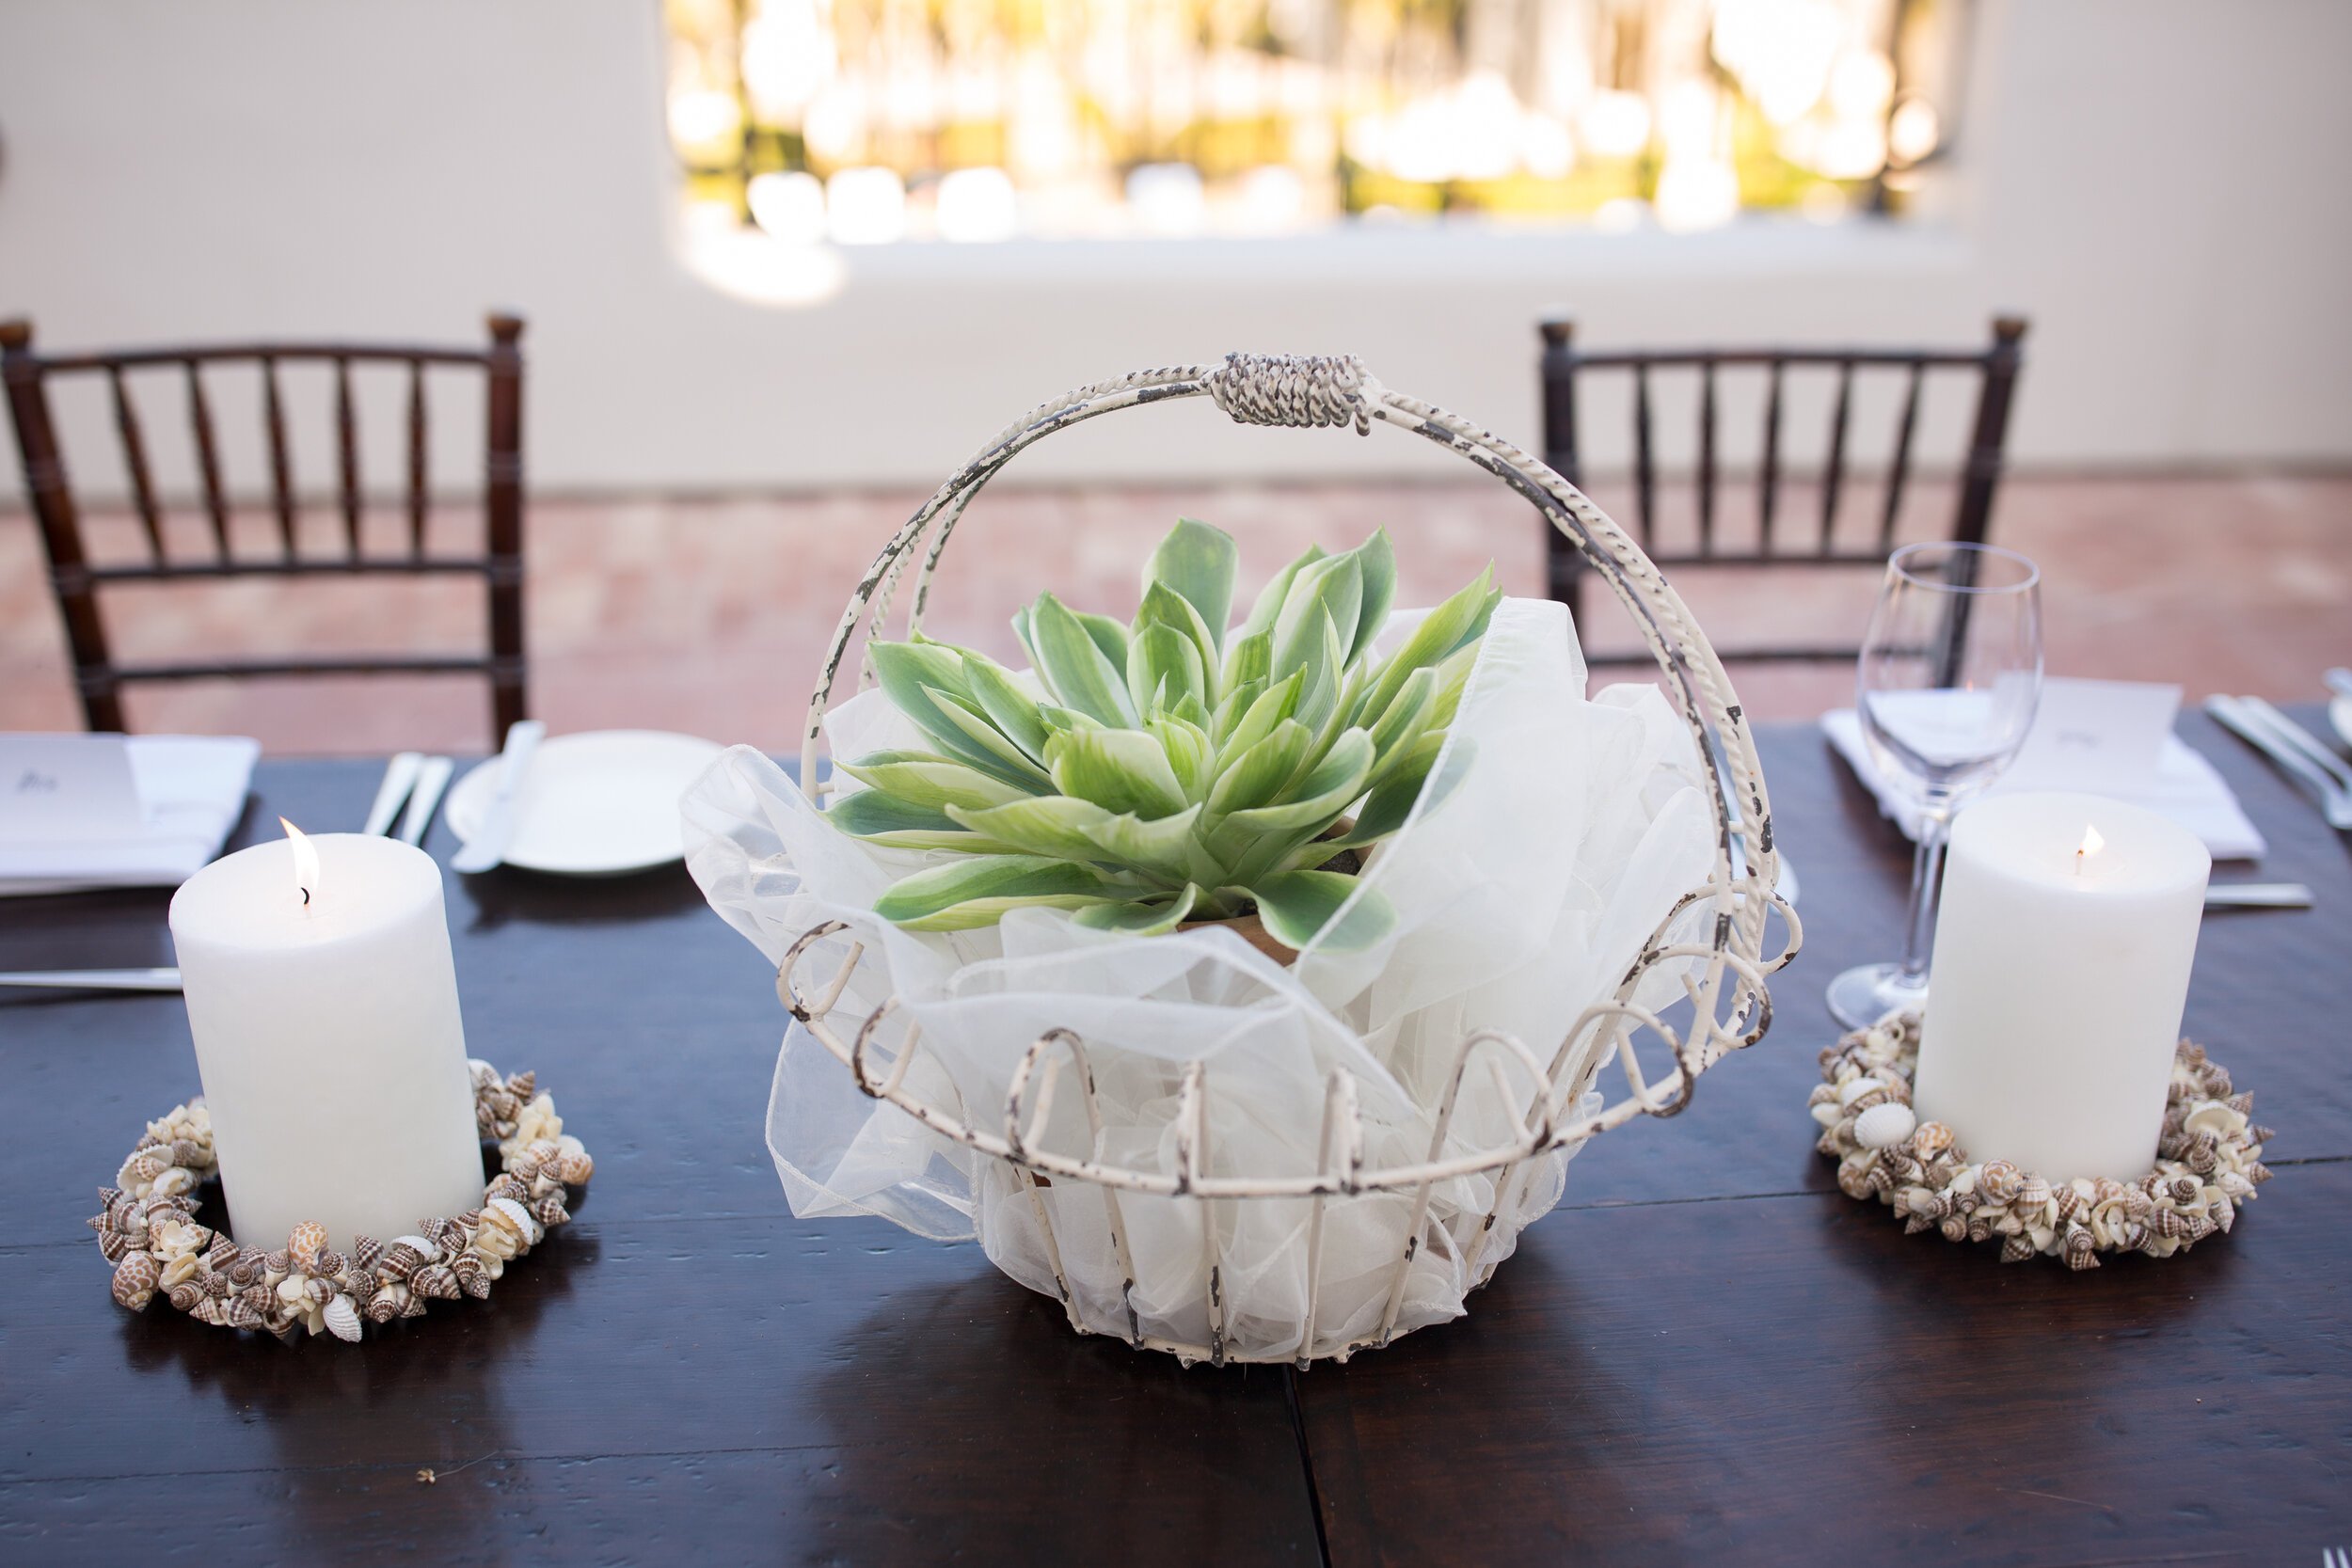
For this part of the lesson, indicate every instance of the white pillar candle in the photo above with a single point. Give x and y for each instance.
(328, 1037)
(2062, 953)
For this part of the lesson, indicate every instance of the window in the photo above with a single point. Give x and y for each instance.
(866, 121)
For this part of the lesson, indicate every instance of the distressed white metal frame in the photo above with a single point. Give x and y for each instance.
(1723, 977)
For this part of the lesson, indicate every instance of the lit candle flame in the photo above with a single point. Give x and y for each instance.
(2091, 845)
(306, 859)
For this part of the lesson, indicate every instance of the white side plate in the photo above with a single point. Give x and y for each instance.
(599, 805)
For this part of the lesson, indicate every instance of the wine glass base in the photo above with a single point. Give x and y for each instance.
(1863, 995)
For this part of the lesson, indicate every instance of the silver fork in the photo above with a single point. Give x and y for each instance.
(2244, 718)
(2334, 1556)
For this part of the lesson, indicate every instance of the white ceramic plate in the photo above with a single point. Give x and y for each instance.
(598, 804)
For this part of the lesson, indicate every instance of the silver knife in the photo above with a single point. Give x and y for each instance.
(432, 778)
(488, 846)
(399, 777)
(2257, 895)
(95, 979)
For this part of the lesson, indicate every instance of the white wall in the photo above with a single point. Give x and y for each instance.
(2153, 181)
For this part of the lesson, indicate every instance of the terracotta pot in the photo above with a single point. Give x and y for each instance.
(1251, 931)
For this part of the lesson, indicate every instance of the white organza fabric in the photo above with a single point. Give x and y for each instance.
(1523, 896)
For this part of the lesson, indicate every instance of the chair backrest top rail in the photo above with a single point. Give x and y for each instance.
(1898, 358)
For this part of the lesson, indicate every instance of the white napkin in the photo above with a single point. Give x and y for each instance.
(191, 790)
(2184, 786)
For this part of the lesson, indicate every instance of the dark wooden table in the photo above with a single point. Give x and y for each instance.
(1706, 1354)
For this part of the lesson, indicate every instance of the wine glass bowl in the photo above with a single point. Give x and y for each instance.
(1945, 689)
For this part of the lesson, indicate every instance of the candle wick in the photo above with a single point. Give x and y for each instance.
(306, 897)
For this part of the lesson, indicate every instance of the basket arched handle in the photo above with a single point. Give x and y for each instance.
(1336, 391)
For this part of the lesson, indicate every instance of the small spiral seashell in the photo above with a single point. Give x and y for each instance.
(2184, 1189)
(425, 1247)
(2137, 1203)
(305, 1242)
(278, 1262)
(2070, 1202)
(176, 1270)
(437, 1280)
(386, 1304)
(342, 1319)
(1884, 1124)
(215, 1285)
(506, 1186)
(190, 1154)
(247, 1269)
(1932, 1138)
(112, 1245)
(2081, 1249)
(1979, 1229)
(321, 1291)
(184, 1296)
(2106, 1189)
(2000, 1182)
(209, 1312)
(329, 1262)
(1955, 1229)
(574, 1167)
(1858, 1184)
(365, 1251)
(2203, 1157)
(135, 1280)
(1856, 1088)
(549, 1210)
(415, 1306)
(242, 1314)
(2257, 1137)
(2017, 1249)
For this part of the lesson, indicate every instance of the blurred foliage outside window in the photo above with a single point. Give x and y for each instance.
(866, 121)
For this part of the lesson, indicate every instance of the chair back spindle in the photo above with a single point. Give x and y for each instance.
(1565, 365)
(75, 578)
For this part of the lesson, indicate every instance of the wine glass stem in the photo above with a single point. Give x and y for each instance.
(1927, 865)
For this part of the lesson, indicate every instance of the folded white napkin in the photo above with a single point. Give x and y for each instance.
(191, 790)
(2184, 786)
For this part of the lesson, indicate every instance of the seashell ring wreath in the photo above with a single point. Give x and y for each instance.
(2208, 1162)
(147, 1229)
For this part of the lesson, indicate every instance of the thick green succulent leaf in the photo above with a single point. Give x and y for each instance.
(1420, 780)
(980, 732)
(1197, 562)
(1325, 677)
(1323, 794)
(1053, 825)
(1163, 668)
(1108, 634)
(1163, 607)
(1058, 720)
(1074, 667)
(1120, 770)
(1162, 847)
(1330, 590)
(1267, 710)
(974, 890)
(1232, 708)
(1143, 917)
(1192, 711)
(1247, 659)
(1270, 598)
(881, 818)
(1011, 708)
(1297, 906)
(905, 669)
(1255, 774)
(1191, 755)
(937, 782)
(1377, 556)
(1454, 625)
(1406, 720)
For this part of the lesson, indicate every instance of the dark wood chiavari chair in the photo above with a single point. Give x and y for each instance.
(1564, 364)
(75, 578)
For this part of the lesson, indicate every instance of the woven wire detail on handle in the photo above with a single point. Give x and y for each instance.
(1306, 390)
(1722, 975)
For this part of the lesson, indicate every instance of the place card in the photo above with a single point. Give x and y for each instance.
(2101, 738)
(67, 786)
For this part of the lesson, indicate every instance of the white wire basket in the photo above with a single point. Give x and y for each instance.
(1721, 974)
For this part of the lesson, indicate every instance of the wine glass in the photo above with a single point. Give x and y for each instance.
(1949, 677)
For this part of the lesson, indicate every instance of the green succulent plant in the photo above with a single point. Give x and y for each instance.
(1169, 768)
